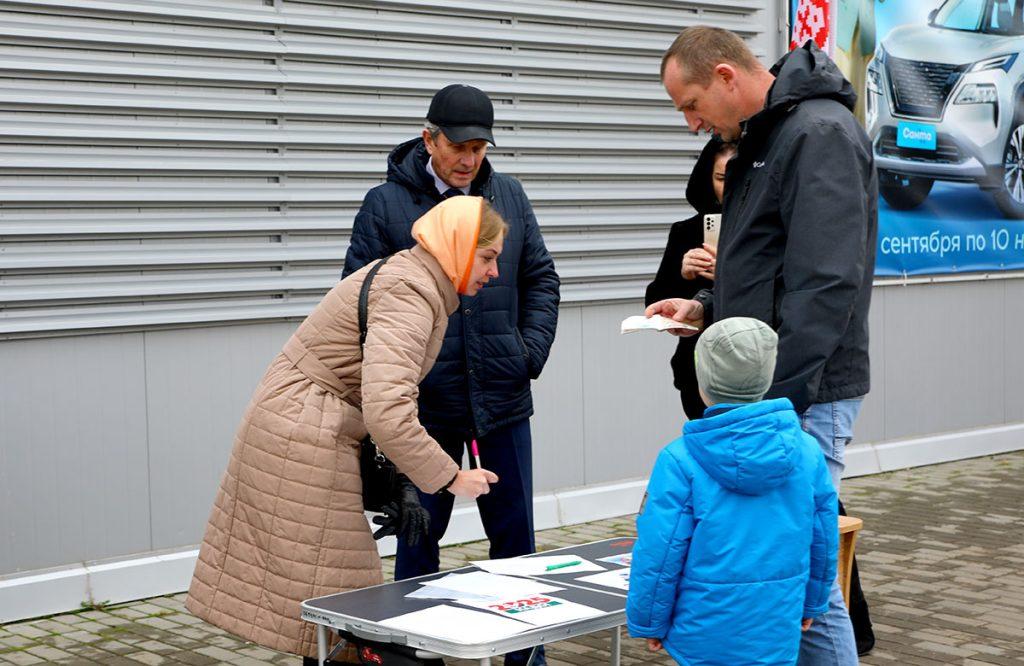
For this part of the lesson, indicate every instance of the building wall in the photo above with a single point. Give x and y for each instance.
(179, 184)
(114, 443)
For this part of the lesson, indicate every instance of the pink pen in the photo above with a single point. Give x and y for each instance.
(476, 453)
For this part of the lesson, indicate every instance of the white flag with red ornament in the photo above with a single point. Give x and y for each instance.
(814, 19)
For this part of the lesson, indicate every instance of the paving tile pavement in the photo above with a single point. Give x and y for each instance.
(941, 559)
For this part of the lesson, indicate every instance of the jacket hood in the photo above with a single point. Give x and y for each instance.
(807, 73)
(699, 190)
(749, 448)
(407, 166)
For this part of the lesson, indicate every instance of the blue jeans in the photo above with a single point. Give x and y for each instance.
(506, 511)
(831, 425)
(830, 639)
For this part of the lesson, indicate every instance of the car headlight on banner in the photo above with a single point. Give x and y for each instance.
(874, 71)
(1003, 62)
(985, 93)
(978, 93)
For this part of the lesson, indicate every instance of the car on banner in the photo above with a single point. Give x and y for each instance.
(945, 101)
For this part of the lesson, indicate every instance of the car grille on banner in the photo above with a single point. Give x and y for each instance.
(921, 88)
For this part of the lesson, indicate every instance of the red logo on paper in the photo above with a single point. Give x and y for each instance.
(811, 22)
(368, 655)
(522, 605)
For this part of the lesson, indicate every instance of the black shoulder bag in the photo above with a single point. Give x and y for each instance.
(380, 476)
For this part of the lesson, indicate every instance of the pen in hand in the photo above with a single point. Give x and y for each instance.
(476, 453)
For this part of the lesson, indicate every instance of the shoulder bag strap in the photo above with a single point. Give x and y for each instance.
(364, 297)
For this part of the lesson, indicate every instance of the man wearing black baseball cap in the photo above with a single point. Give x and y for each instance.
(463, 113)
(496, 342)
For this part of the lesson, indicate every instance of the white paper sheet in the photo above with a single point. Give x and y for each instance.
(539, 609)
(459, 625)
(655, 323)
(622, 559)
(430, 592)
(537, 566)
(617, 578)
(491, 585)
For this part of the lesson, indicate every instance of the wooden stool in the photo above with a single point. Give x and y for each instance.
(848, 528)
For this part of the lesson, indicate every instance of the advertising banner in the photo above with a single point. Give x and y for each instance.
(813, 19)
(941, 89)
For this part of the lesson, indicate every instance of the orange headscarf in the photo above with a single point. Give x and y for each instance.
(450, 231)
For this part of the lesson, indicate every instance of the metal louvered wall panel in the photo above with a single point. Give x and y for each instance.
(184, 164)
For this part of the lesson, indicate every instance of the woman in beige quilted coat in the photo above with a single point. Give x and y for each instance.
(288, 523)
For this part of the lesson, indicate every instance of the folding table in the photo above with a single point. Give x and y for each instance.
(360, 612)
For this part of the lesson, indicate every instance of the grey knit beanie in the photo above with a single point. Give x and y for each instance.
(735, 360)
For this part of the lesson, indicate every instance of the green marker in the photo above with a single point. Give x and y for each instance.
(552, 567)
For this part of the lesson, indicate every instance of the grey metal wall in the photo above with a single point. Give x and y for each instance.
(945, 358)
(176, 162)
(113, 444)
(179, 179)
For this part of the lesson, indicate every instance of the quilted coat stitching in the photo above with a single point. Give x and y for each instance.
(255, 568)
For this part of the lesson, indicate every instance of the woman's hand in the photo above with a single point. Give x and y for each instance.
(653, 644)
(472, 483)
(699, 261)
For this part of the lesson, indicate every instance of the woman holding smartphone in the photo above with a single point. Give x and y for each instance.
(688, 264)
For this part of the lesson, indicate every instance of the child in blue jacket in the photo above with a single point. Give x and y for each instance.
(737, 535)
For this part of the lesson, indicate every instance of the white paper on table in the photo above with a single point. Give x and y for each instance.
(460, 625)
(617, 578)
(654, 323)
(539, 609)
(622, 559)
(428, 591)
(536, 566)
(491, 585)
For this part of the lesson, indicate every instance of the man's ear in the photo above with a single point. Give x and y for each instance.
(429, 141)
(726, 73)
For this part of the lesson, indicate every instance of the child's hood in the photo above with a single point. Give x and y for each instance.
(749, 448)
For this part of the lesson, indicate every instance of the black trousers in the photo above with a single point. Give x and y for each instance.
(863, 634)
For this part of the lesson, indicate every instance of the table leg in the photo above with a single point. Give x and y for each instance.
(616, 645)
(321, 644)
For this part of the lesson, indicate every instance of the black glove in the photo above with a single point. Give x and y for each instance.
(389, 520)
(404, 516)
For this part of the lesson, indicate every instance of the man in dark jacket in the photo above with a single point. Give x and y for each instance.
(797, 243)
(496, 341)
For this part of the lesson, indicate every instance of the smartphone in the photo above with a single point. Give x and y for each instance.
(711, 225)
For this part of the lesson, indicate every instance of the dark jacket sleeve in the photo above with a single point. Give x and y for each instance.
(668, 282)
(824, 210)
(538, 292)
(368, 234)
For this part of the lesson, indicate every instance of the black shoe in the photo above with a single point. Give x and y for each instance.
(865, 640)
